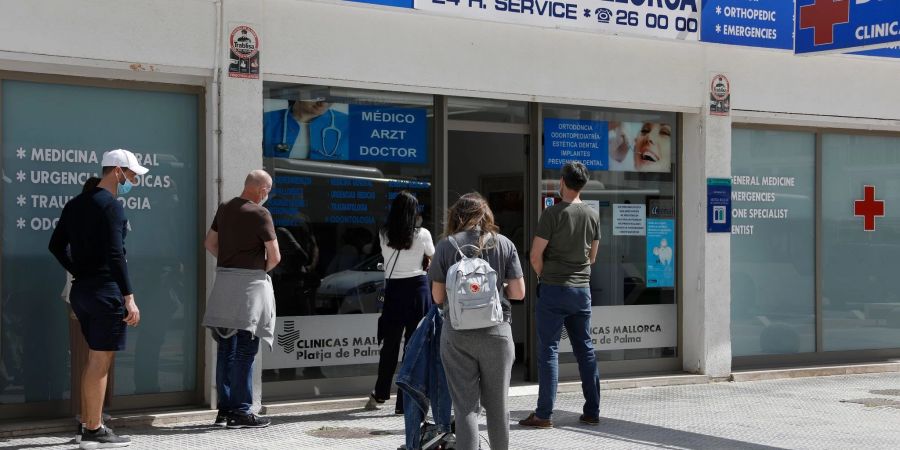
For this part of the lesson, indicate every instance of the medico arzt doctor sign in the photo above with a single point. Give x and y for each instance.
(388, 134)
(838, 25)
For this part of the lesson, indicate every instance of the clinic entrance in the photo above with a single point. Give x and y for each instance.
(487, 146)
(498, 149)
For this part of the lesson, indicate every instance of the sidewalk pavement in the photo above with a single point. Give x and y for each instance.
(840, 412)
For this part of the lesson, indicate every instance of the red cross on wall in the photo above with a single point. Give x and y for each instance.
(869, 208)
(822, 16)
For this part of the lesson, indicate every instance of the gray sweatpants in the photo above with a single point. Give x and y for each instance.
(478, 364)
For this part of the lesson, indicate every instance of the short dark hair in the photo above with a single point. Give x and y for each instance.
(575, 175)
(107, 169)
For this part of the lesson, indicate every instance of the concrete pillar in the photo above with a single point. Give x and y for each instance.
(706, 282)
(239, 126)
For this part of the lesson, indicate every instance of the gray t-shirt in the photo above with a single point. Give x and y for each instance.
(501, 255)
(569, 228)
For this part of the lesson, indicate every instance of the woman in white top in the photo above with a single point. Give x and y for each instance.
(406, 249)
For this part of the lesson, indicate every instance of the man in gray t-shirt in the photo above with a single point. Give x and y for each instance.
(563, 250)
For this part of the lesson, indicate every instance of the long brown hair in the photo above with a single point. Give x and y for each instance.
(469, 212)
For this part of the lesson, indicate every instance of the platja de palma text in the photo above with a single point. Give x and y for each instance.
(326, 349)
(622, 334)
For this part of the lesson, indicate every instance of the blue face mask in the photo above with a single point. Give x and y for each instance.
(123, 189)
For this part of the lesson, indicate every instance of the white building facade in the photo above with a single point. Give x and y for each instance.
(441, 99)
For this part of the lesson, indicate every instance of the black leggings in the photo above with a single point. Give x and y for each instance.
(406, 301)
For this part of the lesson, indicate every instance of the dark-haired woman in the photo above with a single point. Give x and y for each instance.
(404, 247)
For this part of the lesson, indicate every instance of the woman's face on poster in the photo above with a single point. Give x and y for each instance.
(653, 148)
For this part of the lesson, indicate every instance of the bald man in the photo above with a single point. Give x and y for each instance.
(241, 308)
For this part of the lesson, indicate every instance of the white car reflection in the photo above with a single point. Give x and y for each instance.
(352, 291)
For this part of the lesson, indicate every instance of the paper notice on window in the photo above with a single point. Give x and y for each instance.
(629, 219)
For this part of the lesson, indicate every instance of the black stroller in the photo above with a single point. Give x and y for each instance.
(432, 438)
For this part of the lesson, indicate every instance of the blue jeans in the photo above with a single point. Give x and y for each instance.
(234, 372)
(560, 306)
(423, 381)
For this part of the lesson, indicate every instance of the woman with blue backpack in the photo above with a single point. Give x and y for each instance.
(475, 273)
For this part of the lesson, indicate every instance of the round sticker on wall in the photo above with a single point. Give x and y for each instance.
(720, 87)
(720, 96)
(244, 42)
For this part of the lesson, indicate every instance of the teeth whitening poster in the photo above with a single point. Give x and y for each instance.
(640, 147)
(660, 253)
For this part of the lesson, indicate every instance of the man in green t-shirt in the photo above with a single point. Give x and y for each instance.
(562, 252)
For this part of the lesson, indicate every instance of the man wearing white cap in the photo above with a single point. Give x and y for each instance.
(89, 242)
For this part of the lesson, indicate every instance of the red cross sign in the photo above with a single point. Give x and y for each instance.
(822, 16)
(869, 208)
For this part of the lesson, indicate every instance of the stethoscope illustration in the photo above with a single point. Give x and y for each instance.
(325, 150)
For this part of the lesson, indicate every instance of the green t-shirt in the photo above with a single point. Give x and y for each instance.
(569, 228)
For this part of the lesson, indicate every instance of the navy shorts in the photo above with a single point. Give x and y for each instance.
(100, 309)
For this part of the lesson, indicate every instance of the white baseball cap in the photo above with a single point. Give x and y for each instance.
(123, 158)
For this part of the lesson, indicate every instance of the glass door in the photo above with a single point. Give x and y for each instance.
(493, 164)
(486, 149)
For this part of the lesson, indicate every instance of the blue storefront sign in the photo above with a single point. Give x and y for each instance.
(585, 141)
(660, 253)
(753, 23)
(718, 205)
(835, 25)
(669, 19)
(888, 52)
(386, 134)
(394, 3)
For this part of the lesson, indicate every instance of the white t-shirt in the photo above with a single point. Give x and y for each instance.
(409, 262)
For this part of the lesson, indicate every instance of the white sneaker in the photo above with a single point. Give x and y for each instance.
(102, 438)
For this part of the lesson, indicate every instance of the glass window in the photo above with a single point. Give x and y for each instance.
(48, 153)
(343, 158)
(486, 110)
(860, 303)
(632, 157)
(772, 242)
